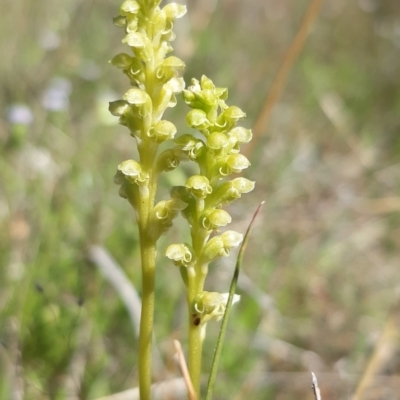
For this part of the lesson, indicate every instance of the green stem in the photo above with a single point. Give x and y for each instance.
(196, 333)
(195, 353)
(148, 258)
(148, 253)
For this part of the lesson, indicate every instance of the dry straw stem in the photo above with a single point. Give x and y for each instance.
(315, 387)
(279, 82)
(184, 370)
(386, 350)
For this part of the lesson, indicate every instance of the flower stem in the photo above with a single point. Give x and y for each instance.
(196, 331)
(195, 353)
(148, 259)
(148, 253)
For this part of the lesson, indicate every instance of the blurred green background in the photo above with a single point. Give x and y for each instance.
(322, 270)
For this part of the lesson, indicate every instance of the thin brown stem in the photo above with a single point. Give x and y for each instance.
(279, 82)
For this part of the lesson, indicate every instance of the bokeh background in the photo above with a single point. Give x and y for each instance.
(321, 280)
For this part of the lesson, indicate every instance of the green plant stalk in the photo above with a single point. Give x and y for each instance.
(195, 355)
(196, 286)
(148, 261)
(196, 334)
(148, 252)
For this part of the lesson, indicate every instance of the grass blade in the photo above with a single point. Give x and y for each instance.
(232, 289)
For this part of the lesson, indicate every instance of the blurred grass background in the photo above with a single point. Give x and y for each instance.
(322, 269)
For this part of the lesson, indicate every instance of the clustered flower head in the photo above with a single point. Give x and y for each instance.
(217, 154)
(155, 82)
(154, 79)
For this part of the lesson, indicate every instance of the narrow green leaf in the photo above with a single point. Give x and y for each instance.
(232, 289)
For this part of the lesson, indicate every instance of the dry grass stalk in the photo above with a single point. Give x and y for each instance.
(279, 82)
(315, 387)
(385, 351)
(184, 370)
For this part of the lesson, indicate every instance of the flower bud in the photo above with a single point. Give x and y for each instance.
(242, 135)
(142, 100)
(197, 119)
(227, 192)
(180, 254)
(234, 113)
(221, 93)
(132, 22)
(120, 21)
(169, 159)
(206, 83)
(229, 117)
(167, 97)
(161, 131)
(135, 39)
(231, 239)
(236, 163)
(206, 98)
(209, 305)
(129, 7)
(191, 146)
(214, 218)
(158, 24)
(163, 214)
(122, 61)
(220, 246)
(169, 68)
(137, 97)
(195, 86)
(189, 97)
(118, 107)
(214, 249)
(131, 171)
(176, 85)
(217, 141)
(174, 10)
(199, 186)
(166, 208)
(242, 185)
